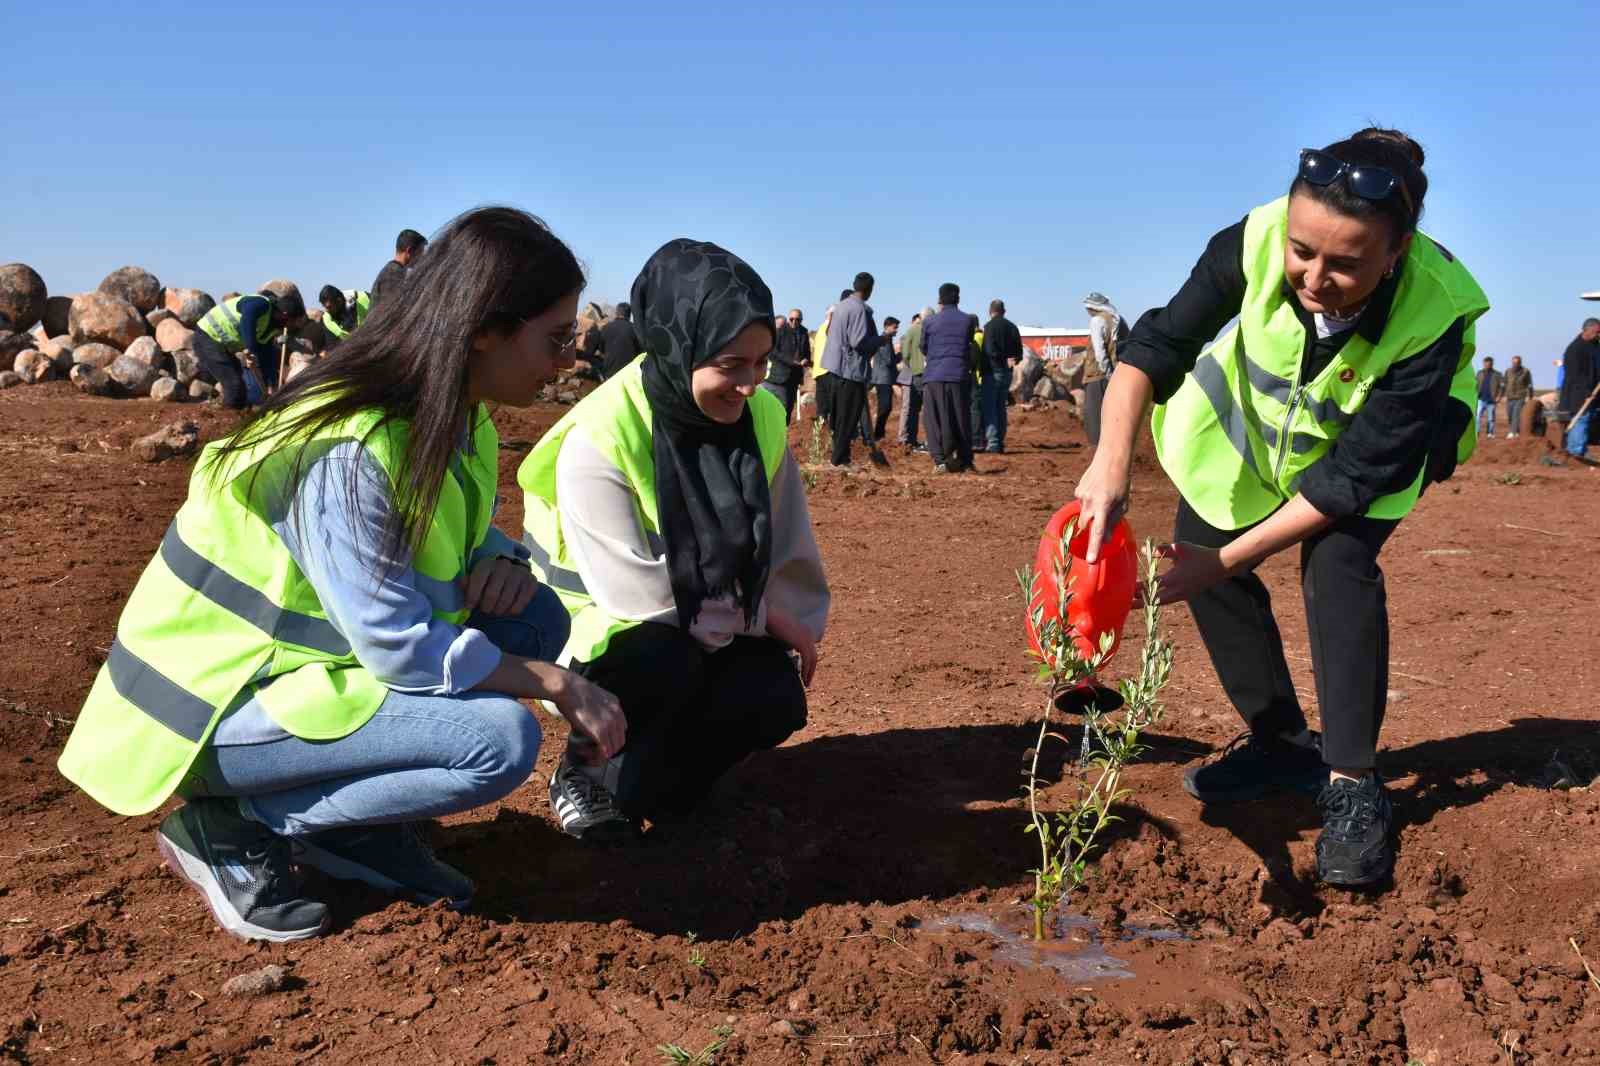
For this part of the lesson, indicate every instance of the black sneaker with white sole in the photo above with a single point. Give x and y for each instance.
(1252, 767)
(1354, 848)
(242, 871)
(392, 858)
(584, 806)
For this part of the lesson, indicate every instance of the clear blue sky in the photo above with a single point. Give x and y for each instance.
(1029, 151)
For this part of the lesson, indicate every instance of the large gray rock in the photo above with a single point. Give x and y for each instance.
(57, 309)
(173, 336)
(1047, 389)
(11, 344)
(158, 316)
(108, 319)
(201, 390)
(185, 366)
(133, 374)
(189, 305)
(92, 380)
(22, 296)
(59, 351)
(33, 367)
(95, 354)
(9, 379)
(146, 350)
(136, 285)
(1028, 373)
(178, 438)
(167, 390)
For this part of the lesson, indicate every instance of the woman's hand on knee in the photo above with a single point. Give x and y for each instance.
(784, 627)
(499, 586)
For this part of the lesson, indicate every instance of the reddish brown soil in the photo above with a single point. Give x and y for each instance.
(812, 886)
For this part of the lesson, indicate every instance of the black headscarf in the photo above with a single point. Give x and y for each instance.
(689, 302)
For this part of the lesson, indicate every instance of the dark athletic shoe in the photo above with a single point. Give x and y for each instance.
(1354, 847)
(392, 858)
(585, 807)
(1252, 767)
(241, 869)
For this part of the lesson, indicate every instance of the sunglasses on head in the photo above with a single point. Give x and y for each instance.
(1366, 181)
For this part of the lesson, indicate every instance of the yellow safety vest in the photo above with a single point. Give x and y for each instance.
(616, 419)
(1242, 429)
(223, 613)
(221, 324)
(362, 303)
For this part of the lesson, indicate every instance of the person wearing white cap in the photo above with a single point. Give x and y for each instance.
(1107, 329)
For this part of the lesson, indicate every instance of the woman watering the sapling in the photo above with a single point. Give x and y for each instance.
(1343, 389)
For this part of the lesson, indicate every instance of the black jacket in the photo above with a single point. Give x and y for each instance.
(1580, 366)
(790, 356)
(388, 283)
(620, 344)
(1408, 417)
(1002, 343)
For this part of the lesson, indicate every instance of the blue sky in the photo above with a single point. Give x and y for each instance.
(1029, 151)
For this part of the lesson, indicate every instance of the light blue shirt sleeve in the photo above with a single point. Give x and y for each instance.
(383, 607)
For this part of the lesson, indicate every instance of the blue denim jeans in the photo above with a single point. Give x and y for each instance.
(417, 757)
(996, 387)
(1485, 405)
(1578, 434)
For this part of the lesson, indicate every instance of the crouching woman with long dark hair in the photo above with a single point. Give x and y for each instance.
(332, 640)
(670, 516)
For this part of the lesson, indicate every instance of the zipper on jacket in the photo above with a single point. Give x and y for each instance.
(1295, 399)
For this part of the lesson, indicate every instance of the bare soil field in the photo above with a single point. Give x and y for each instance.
(837, 901)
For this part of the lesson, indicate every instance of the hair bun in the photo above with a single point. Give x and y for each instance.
(1399, 140)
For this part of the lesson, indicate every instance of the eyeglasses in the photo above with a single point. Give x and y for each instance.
(1366, 181)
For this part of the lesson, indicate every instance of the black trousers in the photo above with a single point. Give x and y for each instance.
(229, 371)
(947, 422)
(1348, 617)
(885, 395)
(692, 714)
(825, 386)
(849, 408)
(1094, 396)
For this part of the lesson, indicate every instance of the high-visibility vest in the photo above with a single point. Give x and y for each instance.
(221, 324)
(819, 343)
(362, 301)
(616, 420)
(1242, 429)
(223, 613)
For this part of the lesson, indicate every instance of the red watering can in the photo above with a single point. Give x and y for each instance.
(1102, 592)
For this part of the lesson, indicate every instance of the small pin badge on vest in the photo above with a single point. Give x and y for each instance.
(1347, 375)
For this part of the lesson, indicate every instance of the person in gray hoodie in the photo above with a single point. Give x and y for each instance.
(852, 340)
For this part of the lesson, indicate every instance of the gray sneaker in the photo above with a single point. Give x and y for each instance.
(241, 869)
(393, 858)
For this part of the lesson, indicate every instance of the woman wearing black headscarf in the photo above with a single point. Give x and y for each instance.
(668, 513)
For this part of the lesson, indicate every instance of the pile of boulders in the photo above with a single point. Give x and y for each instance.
(130, 337)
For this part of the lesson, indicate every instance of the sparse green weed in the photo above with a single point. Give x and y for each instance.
(706, 1056)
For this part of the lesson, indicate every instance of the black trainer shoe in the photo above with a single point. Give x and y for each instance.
(1354, 847)
(241, 869)
(391, 858)
(585, 807)
(1252, 767)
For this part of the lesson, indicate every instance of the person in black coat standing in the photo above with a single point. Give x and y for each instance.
(619, 342)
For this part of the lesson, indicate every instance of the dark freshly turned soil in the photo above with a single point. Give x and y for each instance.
(810, 892)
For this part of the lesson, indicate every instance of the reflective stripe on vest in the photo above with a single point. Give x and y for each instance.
(221, 324)
(222, 609)
(617, 422)
(1243, 428)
